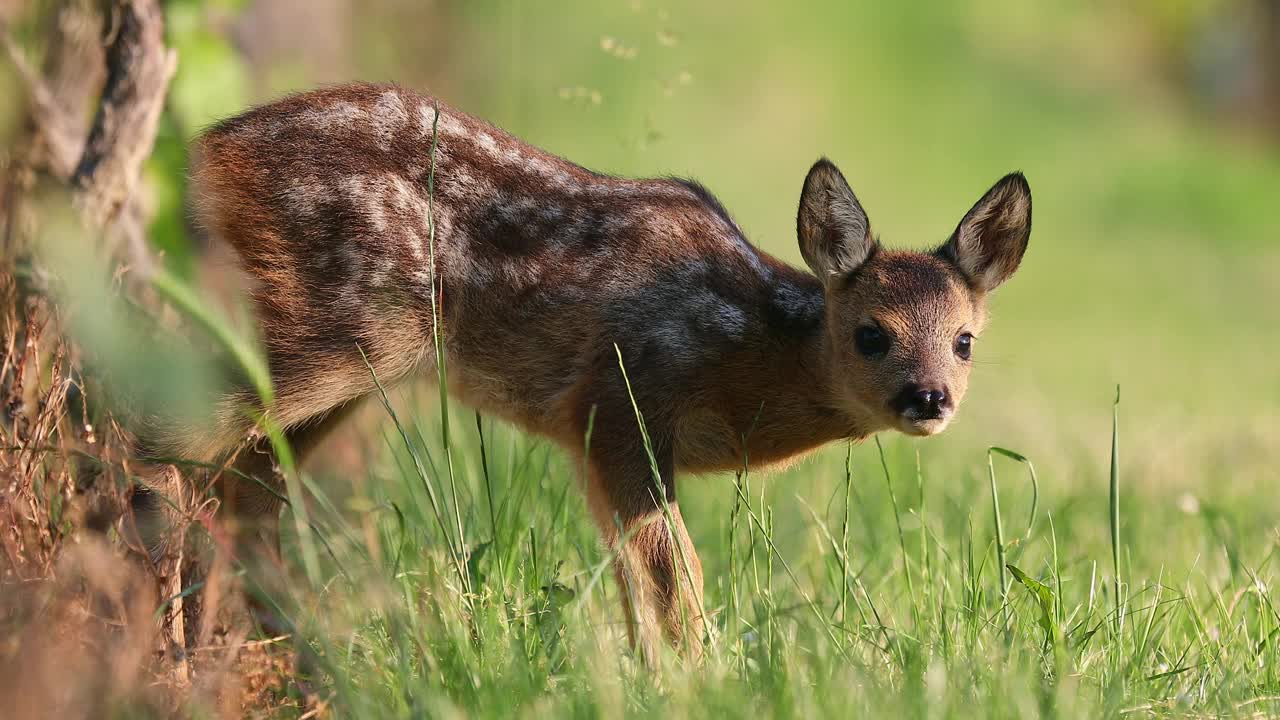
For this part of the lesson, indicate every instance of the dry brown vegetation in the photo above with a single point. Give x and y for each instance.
(80, 635)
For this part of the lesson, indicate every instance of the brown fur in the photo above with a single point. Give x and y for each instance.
(541, 267)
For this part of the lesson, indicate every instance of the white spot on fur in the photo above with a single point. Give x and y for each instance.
(384, 265)
(389, 118)
(352, 259)
(548, 171)
(305, 197)
(486, 142)
(465, 186)
(351, 301)
(445, 124)
(464, 180)
(552, 214)
(414, 209)
(338, 115)
(367, 195)
(523, 207)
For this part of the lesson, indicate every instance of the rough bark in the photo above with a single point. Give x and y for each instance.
(139, 68)
(103, 168)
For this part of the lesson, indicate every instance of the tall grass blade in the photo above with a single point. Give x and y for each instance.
(488, 485)
(844, 533)
(255, 370)
(181, 296)
(1115, 507)
(999, 528)
(1035, 483)
(438, 341)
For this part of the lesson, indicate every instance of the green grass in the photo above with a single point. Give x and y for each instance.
(898, 611)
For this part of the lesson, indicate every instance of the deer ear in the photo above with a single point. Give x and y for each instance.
(988, 244)
(835, 235)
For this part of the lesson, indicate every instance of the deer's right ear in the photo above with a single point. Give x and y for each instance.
(835, 235)
(989, 242)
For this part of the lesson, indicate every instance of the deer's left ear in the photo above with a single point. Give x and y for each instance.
(989, 243)
(835, 235)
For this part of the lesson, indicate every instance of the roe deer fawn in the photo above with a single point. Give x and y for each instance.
(541, 267)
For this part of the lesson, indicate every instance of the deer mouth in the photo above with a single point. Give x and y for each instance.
(922, 423)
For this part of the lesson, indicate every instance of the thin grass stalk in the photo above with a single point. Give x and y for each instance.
(488, 487)
(260, 378)
(1000, 562)
(438, 339)
(586, 443)
(1144, 640)
(1035, 482)
(760, 526)
(772, 635)
(902, 538)
(844, 533)
(1059, 605)
(740, 477)
(744, 494)
(842, 558)
(924, 535)
(1115, 508)
(1093, 587)
(177, 292)
(493, 510)
(735, 610)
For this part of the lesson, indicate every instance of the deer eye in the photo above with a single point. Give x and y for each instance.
(964, 346)
(871, 341)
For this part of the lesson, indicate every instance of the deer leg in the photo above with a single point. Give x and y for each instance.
(252, 502)
(658, 571)
(253, 494)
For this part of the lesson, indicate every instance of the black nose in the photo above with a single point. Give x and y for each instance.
(931, 399)
(922, 402)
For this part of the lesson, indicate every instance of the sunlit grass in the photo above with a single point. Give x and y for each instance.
(910, 619)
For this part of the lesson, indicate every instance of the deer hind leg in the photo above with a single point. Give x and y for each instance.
(253, 491)
(252, 494)
(315, 386)
(658, 571)
(250, 488)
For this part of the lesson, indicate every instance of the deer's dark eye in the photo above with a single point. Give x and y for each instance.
(964, 346)
(871, 341)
